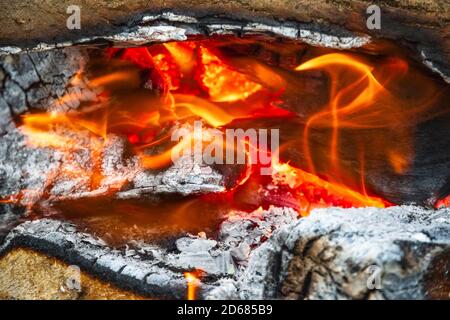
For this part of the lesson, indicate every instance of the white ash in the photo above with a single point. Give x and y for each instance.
(40, 79)
(242, 231)
(329, 255)
(239, 234)
(316, 38)
(195, 245)
(146, 34)
(213, 263)
(290, 32)
(429, 60)
(148, 268)
(169, 26)
(22, 167)
(185, 177)
(35, 172)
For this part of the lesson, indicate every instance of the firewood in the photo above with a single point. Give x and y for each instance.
(393, 253)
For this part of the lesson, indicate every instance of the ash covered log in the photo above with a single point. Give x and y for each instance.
(141, 269)
(62, 241)
(394, 253)
(54, 80)
(38, 80)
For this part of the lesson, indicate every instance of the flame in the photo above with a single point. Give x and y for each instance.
(316, 192)
(351, 105)
(148, 90)
(193, 283)
(164, 159)
(208, 111)
(363, 96)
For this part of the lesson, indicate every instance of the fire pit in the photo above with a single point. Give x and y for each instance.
(209, 156)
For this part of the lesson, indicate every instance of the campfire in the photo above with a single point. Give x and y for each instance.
(183, 168)
(148, 91)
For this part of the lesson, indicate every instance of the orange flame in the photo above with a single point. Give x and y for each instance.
(223, 83)
(352, 104)
(155, 87)
(193, 283)
(443, 203)
(363, 97)
(320, 193)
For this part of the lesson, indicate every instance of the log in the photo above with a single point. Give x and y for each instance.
(395, 253)
(37, 80)
(367, 253)
(32, 175)
(25, 271)
(421, 26)
(135, 268)
(61, 240)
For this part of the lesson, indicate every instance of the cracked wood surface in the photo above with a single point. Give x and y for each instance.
(335, 253)
(36, 80)
(423, 25)
(31, 20)
(138, 266)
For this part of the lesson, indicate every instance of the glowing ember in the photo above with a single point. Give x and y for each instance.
(146, 92)
(222, 83)
(193, 282)
(315, 192)
(443, 203)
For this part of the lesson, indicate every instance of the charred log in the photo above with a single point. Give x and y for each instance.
(351, 254)
(148, 269)
(400, 21)
(37, 80)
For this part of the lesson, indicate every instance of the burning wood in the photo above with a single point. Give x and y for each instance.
(198, 80)
(191, 160)
(151, 270)
(320, 247)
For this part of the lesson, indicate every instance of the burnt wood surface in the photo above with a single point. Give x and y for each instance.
(421, 24)
(32, 20)
(148, 268)
(36, 80)
(394, 253)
